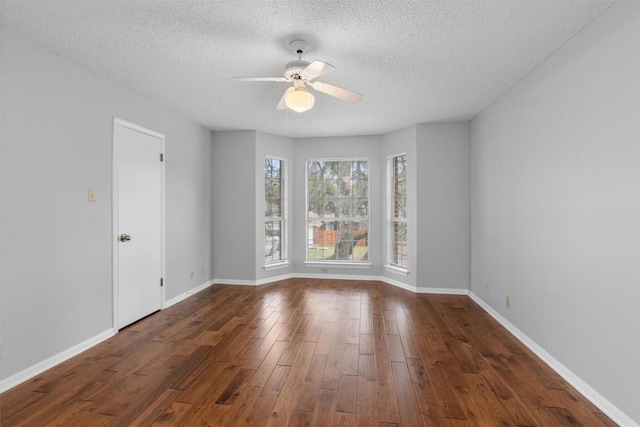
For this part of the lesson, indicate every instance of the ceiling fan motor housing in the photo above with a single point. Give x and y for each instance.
(294, 68)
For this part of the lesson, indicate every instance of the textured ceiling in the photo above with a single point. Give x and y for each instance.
(414, 61)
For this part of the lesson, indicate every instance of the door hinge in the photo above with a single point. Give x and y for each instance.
(162, 157)
(161, 281)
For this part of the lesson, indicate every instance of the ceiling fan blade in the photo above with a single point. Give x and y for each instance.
(338, 92)
(282, 105)
(258, 79)
(316, 69)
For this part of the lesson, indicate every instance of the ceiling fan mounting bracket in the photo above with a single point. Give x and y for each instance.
(299, 46)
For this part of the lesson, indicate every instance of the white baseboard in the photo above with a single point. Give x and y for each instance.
(442, 291)
(185, 295)
(397, 284)
(49, 363)
(384, 279)
(235, 282)
(258, 282)
(275, 279)
(583, 388)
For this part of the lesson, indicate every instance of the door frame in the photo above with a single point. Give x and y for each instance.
(114, 213)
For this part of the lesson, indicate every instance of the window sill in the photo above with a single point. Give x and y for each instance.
(326, 264)
(396, 270)
(276, 265)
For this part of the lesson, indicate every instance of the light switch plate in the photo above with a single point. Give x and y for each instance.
(92, 194)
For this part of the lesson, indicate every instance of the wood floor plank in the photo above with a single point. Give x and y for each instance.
(342, 419)
(305, 352)
(396, 352)
(428, 400)
(480, 401)
(366, 344)
(333, 368)
(367, 407)
(156, 410)
(350, 359)
(260, 413)
(326, 337)
(284, 406)
(406, 396)
(387, 401)
(308, 391)
(301, 419)
(269, 363)
(324, 411)
(172, 414)
(244, 399)
(348, 394)
(234, 388)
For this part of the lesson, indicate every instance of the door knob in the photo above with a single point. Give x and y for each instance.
(125, 237)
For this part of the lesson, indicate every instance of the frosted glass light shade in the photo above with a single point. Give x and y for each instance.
(299, 100)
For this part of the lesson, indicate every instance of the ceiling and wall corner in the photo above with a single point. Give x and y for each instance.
(414, 61)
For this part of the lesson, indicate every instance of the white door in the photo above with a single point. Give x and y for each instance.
(138, 222)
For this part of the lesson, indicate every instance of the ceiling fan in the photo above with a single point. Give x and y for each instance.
(301, 73)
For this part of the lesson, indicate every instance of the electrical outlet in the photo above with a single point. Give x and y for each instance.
(507, 301)
(487, 288)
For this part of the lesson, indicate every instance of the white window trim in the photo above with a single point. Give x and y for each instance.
(335, 263)
(276, 265)
(391, 266)
(284, 238)
(396, 269)
(338, 264)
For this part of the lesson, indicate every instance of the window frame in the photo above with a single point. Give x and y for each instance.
(284, 237)
(339, 263)
(391, 264)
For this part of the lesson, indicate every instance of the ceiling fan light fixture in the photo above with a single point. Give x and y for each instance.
(299, 100)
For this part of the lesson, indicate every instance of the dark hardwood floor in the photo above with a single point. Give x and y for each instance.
(305, 352)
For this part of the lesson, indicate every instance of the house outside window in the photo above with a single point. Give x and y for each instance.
(337, 210)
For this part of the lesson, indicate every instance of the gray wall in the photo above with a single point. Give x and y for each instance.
(555, 194)
(234, 205)
(443, 205)
(56, 137)
(188, 206)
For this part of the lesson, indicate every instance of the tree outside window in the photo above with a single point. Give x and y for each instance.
(338, 210)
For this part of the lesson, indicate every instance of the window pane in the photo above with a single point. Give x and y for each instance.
(274, 209)
(338, 241)
(398, 214)
(399, 187)
(400, 243)
(273, 187)
(337, 195)
(272, 239)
